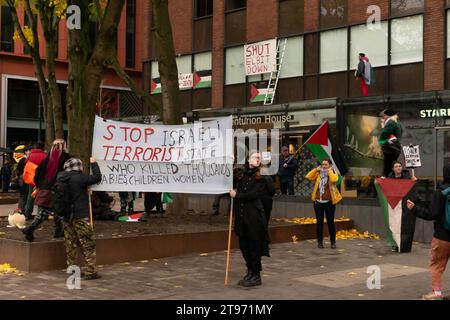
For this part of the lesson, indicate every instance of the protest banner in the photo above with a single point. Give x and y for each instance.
(412, 156)
(192, 158)
(260, 57)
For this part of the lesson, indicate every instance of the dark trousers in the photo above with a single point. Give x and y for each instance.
(327, 209)
(42, 216)
(287, 187)
(23, 194)
(152, 199)
(251, 251)
(216, 203)
(388, 159)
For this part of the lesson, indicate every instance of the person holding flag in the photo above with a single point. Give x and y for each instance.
(325, 196)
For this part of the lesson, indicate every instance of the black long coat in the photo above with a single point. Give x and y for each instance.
(250, 221)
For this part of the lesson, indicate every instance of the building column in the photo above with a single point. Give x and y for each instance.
(218, 66)
(433, 44)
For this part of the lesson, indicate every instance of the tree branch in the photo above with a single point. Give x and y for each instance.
(142, 94)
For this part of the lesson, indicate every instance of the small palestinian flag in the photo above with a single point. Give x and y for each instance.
(131, 218)
(321, 146)
(155, 86)
(202, 79)
(399, 221)
(258, 92)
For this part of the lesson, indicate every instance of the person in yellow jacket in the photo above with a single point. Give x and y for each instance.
(325, 196)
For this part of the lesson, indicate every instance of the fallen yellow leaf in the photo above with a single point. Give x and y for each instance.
(203, 254)
(294, 239)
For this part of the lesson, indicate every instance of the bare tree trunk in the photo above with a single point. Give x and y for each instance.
(87, 67)
(167, 64)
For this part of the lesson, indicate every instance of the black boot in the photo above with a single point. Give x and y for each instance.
(320, 244)
(246, 277)
(254, 280)
(29, 233)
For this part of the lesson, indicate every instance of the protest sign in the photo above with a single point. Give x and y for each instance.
(192, 158)
(412, 156)
(260, 57)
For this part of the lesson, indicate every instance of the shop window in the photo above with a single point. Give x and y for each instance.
(130, 51)
(235, 4)
(333, 51)
(203, 8)
(292, 65)
(234, 65)
(291, 17)
(202, 61)
(184, 64)
(333, 13)
(154, 72)
(406, 7)
(407, 40)
(448, 33)
(6, 30)
(372, 42)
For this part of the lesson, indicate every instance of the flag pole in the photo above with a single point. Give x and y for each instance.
(229, 242)
(90, 209)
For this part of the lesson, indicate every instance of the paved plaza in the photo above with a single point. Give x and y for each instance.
(295, 271)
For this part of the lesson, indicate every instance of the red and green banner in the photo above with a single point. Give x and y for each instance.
(202, 79)
(258, 92)
(155, 86)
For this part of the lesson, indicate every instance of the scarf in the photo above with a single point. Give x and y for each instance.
(53, 164)
(323, 181)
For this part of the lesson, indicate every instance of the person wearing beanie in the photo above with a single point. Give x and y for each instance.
(389, 139)
(78, 233)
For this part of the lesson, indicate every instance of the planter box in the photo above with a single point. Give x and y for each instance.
(41, 256)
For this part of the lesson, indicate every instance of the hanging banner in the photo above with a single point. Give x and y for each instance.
(260, 57)
(192, 158)
(185, 80)
(412, 156)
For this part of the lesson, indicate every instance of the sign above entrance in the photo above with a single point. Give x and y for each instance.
(260, 57)
(265, 119)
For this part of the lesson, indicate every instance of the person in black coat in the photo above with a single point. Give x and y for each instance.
(44, 179)
(440, 245)
(78, 233)
(250, 222)
(286, 172)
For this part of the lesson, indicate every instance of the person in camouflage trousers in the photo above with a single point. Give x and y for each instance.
(78, 233)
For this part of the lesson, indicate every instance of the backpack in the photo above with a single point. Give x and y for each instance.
(446, 194)
(29, 172)
(61, 202)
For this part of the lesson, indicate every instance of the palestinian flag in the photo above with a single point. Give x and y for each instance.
(258, 92)
(399, 222)
(155, 86)
(202, 79)
(131, 218)
(321, 146)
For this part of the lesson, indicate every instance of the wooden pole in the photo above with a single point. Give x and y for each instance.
(229, 242)
(91, 219)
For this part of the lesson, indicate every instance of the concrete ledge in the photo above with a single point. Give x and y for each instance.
(41, 256)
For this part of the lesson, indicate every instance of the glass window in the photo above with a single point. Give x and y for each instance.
(235, 4)
(292, 65)
(184, 64)
(234, 65)
(404, 7)
(333, 13)
(202, 61)
(333, 51)
(291, 17)
(407, 40)
(203, 8)
(6, 30)
(372, 42)
(448, 33)
(154, 73)
(130, 34)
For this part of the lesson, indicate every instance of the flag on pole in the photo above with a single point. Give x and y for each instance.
(400, 224)
(322, 147)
